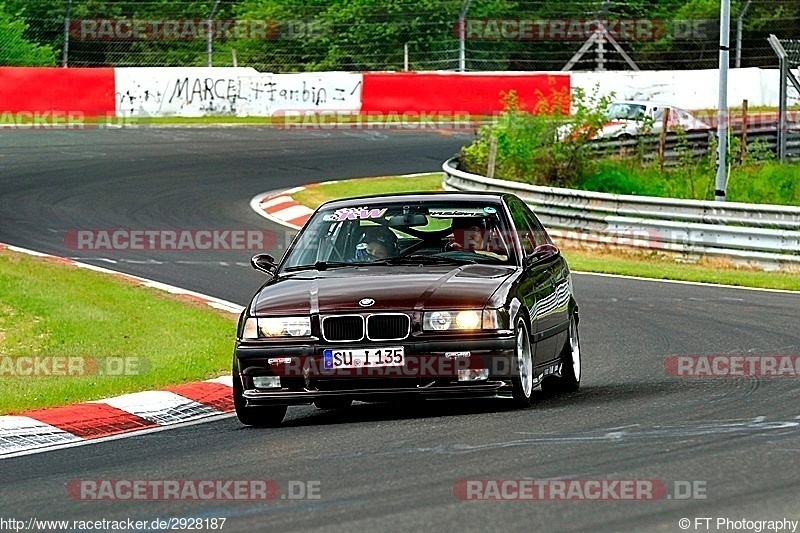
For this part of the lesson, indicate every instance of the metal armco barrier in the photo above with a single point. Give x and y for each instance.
(751, 232)
(697, 143)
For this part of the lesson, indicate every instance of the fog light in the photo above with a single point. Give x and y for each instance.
(475, 374)
(267, 382)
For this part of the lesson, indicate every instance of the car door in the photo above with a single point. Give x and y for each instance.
(555, 314)
(536, 287)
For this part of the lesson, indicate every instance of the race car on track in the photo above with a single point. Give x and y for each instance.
(408, 296)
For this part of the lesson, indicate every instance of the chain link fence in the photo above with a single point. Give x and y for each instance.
(363, 35)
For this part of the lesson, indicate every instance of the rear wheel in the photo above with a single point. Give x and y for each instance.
(570, 379)
(258, 416)
(522, 382)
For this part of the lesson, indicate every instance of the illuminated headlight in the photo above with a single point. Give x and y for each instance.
(451, 320)
(269, 327)
(463, 320)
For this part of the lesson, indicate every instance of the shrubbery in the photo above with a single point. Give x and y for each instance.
(552, 148)
(546, 147)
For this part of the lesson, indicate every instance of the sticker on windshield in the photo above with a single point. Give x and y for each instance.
(452, 213)
(489, 210)
(355, 213)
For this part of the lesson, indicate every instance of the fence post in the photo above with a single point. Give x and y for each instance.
(662, 140)
(65, 53)
(492, 157)
(743, 143)
(210, 37)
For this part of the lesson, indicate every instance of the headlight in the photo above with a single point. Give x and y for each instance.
(471, 319)
(451, 320)
(271, 327)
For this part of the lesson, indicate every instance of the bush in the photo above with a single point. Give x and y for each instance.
(549, 148)
(540, 148)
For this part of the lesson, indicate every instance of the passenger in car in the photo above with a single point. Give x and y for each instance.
(471, 234)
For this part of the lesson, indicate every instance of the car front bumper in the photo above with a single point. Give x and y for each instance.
(435, 375)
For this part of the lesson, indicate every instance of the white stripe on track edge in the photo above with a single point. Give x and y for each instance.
(683, 282)
(126, 435)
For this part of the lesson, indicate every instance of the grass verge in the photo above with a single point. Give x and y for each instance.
(646, 264)
(118, 337)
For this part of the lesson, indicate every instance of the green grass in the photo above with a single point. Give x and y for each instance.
(622, 262)
(315, 195)
(313, 121)
(54, 310)
(646, 265)
(767, 183)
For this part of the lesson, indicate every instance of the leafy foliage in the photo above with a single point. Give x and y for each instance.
(545, 147)
(18, 51)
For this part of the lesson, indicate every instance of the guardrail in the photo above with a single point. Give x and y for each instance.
(697, 143)
(750, 232)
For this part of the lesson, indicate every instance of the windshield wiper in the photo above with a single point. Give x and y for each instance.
(320, 265)
(423, 259)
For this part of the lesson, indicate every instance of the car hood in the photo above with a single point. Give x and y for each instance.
(395, 287)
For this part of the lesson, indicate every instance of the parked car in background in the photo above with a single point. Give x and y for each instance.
(632, 117)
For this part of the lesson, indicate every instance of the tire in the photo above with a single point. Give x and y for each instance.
(260, 416)
(333, 403)
(571, 364)
(522, 382)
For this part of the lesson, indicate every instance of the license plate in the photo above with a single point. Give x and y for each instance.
(372, 357)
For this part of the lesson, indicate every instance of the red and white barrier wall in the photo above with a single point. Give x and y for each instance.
(198, 91)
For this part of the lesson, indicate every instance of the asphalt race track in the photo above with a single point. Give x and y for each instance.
(394, 467)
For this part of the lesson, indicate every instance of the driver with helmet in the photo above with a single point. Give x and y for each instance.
(377, 242)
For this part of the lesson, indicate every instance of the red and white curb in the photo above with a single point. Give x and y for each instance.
(72, 425)
(281, 208)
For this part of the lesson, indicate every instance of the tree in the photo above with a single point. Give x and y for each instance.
(15, 50)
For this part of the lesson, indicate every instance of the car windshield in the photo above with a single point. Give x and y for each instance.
(430, 232)
(626, 112)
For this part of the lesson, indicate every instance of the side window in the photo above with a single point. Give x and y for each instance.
(520, 217)
(540, 235)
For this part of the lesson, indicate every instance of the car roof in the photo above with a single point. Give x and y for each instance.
(649, 103)
(421, 197)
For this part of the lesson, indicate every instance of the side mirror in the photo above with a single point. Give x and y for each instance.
(543, 252)
(265, 263)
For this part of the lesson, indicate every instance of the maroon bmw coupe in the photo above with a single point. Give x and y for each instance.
(425, 295)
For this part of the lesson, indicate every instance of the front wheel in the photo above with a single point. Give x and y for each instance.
(259, 416)
(522, 382)
(570, 379)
